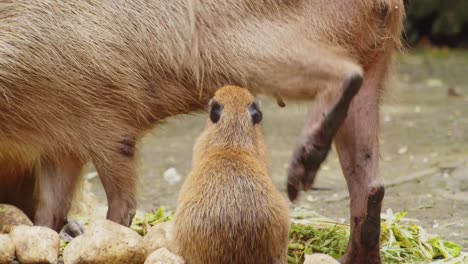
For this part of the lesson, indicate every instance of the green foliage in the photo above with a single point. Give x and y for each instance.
(451, 18)
(63, 245)
(443, 21)
(142, 224)
(411, 243)
(420, 9)
(307, 239)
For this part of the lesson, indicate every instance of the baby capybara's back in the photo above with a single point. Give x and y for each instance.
(229, 211)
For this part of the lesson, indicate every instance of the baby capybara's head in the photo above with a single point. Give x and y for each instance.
(234, 122)
(232, 105)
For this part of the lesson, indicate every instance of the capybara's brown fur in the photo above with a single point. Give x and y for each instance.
(82, 80)
(229, 210)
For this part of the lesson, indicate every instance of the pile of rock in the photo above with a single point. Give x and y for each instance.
(21, 241)
(102, 242)
(107, 242)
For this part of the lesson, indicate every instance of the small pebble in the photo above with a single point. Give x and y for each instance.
(172, 176)
(320, 259)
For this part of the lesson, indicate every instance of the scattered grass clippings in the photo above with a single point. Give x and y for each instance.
(410, 243)
(63, 244)
(142, 224)
(399, 243)
(329, 239)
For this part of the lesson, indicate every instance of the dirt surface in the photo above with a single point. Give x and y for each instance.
(424, 149)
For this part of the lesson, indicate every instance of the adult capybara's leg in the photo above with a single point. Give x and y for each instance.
(116, 169)
(302, 74)
(17, 184)
(358, 150)
(55, 188)
(325, 118)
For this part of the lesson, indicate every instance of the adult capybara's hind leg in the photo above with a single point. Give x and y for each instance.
(17, 184)
(358, 150)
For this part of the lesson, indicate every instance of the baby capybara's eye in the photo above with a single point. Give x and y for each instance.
(215, 111)
(255, 113)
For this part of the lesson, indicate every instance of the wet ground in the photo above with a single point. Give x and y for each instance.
(424, 149)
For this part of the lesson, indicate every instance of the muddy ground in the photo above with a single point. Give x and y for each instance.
(424, 149)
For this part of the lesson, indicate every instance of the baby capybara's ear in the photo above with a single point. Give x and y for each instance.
(216, 109)
(255, 113)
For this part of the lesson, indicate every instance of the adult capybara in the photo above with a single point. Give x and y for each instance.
(229, 210)
(82, 81)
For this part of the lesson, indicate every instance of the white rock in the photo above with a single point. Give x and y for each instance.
(172, 176)
(159, 236)
(403, 150)
(35, 244)
(7, 249)
(320, 259)
(106, 242)
(164, 256)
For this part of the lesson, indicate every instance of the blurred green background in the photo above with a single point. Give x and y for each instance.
(437, 22)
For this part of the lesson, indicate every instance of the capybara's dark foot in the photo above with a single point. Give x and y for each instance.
(71, 230)
(304, 166)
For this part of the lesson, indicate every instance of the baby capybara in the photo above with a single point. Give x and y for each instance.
(229, 211)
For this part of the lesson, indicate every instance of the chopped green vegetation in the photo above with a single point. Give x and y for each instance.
(330, 239)
(3, 210)
(142, 224)
(399, 243)
(63, 244)
(412, 243)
